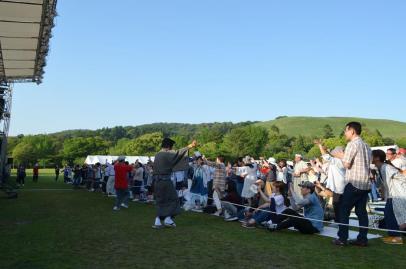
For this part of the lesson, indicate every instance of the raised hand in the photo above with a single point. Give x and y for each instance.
(193, 144)
(317, 141)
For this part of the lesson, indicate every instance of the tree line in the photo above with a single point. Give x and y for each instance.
(227, 139)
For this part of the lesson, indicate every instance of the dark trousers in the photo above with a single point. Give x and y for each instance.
(304, 226)
(21, 179)
(104, 184)
(136, 188)
(390, 219)
(89, 183)
(353, 197)
(35, 178)
(262, 216)
(96, 184)
(337, 199)
(239, 185)
(76, 181)
(122, 197)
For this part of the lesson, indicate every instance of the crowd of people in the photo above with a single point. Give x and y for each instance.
(267, 193)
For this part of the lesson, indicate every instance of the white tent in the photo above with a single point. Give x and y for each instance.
(385, 148)
(93, 159)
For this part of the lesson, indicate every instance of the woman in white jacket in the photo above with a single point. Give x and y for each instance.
(249, 173)
(394, 183)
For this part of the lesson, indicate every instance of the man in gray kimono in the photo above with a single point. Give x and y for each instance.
(166, 197)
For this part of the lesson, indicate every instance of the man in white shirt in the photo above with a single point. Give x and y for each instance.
(300, 174)
(110, 182)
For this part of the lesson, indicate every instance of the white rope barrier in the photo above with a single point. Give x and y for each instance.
(310, 219)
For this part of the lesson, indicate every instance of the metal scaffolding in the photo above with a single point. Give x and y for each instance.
(6, 94)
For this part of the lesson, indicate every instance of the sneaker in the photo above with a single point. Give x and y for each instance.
(124, 205)
(339, 243)
(116, 208)
(393, 240)
(358, 243)
(272, 227)
(135, 200)
(231, 219)
(217, 214)
(171, 225)
(197, 210)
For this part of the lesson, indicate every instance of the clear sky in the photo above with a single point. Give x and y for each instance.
(131, 62)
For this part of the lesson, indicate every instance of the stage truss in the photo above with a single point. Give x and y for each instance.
(25, 31)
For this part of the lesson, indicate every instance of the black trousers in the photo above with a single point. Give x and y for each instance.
(104, 184)
(337, 199)
(21, 179)
(89, 183)
(35, 178)
(353, 197)
(302, 225)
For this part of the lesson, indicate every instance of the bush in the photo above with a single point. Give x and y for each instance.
(401, 142)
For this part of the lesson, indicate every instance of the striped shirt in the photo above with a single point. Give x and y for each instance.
(219, 178)
(358, 155)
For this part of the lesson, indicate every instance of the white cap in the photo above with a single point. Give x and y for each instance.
(272, 160)
(247, 160)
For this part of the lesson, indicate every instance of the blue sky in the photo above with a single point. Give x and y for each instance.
(132, 62)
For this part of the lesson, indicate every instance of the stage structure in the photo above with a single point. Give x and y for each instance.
(25, 31)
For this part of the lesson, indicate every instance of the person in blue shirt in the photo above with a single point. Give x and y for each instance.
(313, 212)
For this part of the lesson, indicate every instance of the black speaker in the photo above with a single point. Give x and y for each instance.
(2, 89)
(2, 102)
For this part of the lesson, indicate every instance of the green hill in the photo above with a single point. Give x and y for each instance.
(313, 126)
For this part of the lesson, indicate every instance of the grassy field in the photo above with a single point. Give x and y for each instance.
(77, 229)
(294, 126)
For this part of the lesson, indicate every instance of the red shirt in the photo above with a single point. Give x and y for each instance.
(36, 170)
(122, 171)
(265, 170)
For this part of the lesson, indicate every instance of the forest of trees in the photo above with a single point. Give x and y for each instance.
(227, 139)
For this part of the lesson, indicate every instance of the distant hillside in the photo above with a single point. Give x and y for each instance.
(222, 138)
(313, 126)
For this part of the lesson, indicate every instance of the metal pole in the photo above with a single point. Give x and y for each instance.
(6, 95)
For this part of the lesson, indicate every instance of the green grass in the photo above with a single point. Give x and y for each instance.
(313, 126)
(77, 229)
